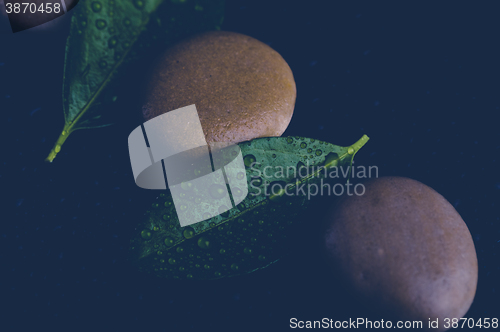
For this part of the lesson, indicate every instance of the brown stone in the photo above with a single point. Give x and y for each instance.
(241, 87)
(404, 249)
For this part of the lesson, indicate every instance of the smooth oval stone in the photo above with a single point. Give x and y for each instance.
(242, 88)
(404, 249)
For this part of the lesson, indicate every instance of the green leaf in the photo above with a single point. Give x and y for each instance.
(107, 38)
(252, 235)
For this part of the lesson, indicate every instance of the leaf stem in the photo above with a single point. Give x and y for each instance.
(60, 141)
(358, 145)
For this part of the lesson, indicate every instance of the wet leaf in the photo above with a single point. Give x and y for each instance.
(107, 38)
(251, 235)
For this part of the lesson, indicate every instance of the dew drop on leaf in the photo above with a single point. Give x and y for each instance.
(100, 24)
(96, 6)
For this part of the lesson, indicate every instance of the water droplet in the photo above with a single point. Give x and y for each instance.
(127, 22)
(103, 64)
(223, 211)
(182, 195)
(234, 267)
(171, 261)
(309, 150)
(237, 192)
(289, 140)
(247, 251)
(319, 152)
(262, 258)
(274, 156)
(254, 239)
(96, 6)
(217, 191)
(303, 145)
(57, 148)
(240, 176)
(206, 215)
(241, 221)
(179, 249)
(183, 207)
(169, 241)
(217, 274)
(222, 251)
(189, 276)
(63, 132)
(156, 228)
(146, 234)
(126, 44)
(256, 182)
(83, 24)
(207, 267)
(112, 30)
(112, 42)
(350, 150)
(139, 4)
(188, 233)
(204, 243)
(181, 268)
(168, 204)
(100, 24)
(159, 252)
(187, 186)
(249, 159)
(166, 217)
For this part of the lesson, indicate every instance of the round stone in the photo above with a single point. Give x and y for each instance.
(242, 88)
(403, 247)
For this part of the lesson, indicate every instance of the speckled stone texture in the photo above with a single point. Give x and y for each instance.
(404, 248)
(241, 87)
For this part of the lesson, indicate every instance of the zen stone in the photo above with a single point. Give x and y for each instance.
(404, 249)
(242, 88)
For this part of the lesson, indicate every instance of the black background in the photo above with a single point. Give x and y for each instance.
(420, 78)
